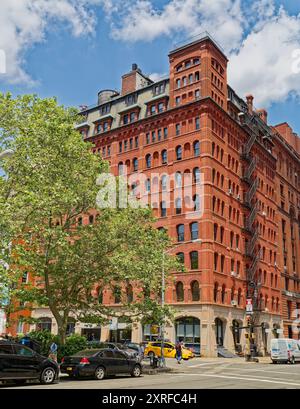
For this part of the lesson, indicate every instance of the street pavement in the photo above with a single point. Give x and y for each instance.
(199, 373)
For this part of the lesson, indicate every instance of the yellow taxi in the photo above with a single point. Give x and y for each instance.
(154, 349)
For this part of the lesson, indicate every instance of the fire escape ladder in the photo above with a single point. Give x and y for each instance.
(251, 193)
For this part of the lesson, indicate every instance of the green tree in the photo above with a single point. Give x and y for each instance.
(51, 183)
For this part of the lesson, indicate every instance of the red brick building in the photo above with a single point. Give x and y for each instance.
(246, 244)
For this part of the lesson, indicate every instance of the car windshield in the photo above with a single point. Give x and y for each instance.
(87, 352)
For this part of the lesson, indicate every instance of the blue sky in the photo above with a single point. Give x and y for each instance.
(74, 67)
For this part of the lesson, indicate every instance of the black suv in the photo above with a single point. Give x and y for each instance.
(19, 363)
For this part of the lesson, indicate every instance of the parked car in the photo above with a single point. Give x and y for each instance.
(19, 363)
(136, 347)
(131, 352)
(99, 363)
(154, 349)
(285, 350)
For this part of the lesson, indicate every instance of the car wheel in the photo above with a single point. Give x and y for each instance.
(48, 376)
(100, 373)
(151, 354)
(136, 371)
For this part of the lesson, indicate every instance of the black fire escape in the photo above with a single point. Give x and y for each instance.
(251, 123)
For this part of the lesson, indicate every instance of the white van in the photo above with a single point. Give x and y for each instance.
(285, 350)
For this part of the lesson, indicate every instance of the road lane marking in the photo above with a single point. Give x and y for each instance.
(264, 370)
(207, 364)
(242, 378)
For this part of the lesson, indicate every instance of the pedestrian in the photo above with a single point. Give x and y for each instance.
(141, 351)
(53, 351)
(178, 348)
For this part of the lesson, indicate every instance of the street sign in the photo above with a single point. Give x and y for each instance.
(249, 306)
(113, 324)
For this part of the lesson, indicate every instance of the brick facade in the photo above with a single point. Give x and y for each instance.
(240, 232)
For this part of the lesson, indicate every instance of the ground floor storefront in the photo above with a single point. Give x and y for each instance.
(204, 328)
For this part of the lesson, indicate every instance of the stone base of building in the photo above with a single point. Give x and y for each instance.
(205, 328)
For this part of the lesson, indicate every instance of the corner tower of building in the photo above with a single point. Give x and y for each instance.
(198, 69)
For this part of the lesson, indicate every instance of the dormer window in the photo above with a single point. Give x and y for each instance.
(159, 89)
(187, 64)
(105, 109)
(130, 99)
(196, 61)
(105, 126)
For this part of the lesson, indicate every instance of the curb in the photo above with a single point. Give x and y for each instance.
(157, 371)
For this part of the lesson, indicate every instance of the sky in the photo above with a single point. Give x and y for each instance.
(72, 49)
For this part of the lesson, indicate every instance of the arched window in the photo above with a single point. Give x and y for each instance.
(178, 152)
(195, 290)
(148, 161)
(163, 209)
(223, 294)
(164, 156)
(216, 289)
(148, 186)
(194, 260)
(196, 175)
(196, 200)
(178, 179)
(100, 296)
(117, 295)
(196, 146)
(215, 231)
(135, 164)
(179, 292)
(129, 293)
(120, 168)
(178, 205)
(180, 257)
(164, 179)
(194, 231)
(180, 232)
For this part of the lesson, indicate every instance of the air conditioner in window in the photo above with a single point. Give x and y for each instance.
(266, 309)
(238, 197)
(275, 264)
(230, 192)
(233, 274)
(264, 214)
(234, 303)
(285, 269)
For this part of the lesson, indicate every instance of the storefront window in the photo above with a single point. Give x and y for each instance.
(188, 331)
(151, 332)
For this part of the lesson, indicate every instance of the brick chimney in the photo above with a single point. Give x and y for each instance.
(134, 80)
(250, 99)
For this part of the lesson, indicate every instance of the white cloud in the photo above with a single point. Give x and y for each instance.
(23, 23)
(139, 20)
(258, 38)
(264, 63)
